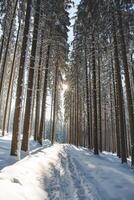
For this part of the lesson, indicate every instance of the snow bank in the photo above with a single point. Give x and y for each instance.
(23, 180)
(5, 145)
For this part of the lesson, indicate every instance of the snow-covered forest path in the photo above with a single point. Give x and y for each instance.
(64, 172)
(81, 175)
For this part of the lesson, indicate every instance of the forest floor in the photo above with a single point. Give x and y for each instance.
(64, 172)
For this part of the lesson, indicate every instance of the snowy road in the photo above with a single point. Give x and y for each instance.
(64, 172)
(81, 175)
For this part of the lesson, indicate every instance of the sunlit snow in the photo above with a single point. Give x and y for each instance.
(65, 172)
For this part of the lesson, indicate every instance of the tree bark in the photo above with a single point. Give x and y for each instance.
(127, 83)
(119, 92)
(10, 82)
(16, 122)
(87, 97)
(43, 110)
(37, 110)
(54, 108)
(7, 46)
(26, 129)
(116, 113)
(99, 107)
(94, 99)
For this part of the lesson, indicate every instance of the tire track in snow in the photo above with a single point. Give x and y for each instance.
(52, 186)
(72, 184)
(72, 179)
(82, 190)
(65, 179)
(59, 184)
(86, 182)
(88, 179)
(78, 186)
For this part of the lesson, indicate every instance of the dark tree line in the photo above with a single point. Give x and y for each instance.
(99, 104)
(33, 52)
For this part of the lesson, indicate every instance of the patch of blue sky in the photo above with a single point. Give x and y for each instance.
(72, 13)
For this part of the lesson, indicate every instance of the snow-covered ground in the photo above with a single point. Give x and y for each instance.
(5, 145)
(64, 172)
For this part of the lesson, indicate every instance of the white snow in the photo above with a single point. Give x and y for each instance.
(5, 145)
(65, 172)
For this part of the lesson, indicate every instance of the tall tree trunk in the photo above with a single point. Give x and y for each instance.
(37, 110)
(51, 114)
(116, 113)
(16, 122)
(77, 110)
(94, 99)
(70, 130)
(4, 30)
(90, 104)
(55, 96)
(73, 121)
(127, 82)
(105, 126)
(10, 82)
(31, 80)
(7, 46)
(80, 122)
(99, 107)
(87, 97)
(43, 110)
(2, 44)
(119, 91)
(112, 117)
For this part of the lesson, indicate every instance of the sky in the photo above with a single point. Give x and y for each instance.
(72, 12)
